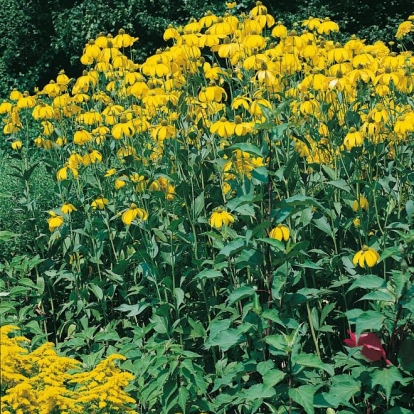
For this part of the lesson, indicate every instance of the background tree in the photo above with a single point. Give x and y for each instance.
(39, 37)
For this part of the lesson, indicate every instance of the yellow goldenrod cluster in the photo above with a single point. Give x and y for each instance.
(43, 382)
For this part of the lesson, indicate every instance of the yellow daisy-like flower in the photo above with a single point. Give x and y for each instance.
(362, 204)
(100, 203)
(280, 232)
(220, 217)
(132, 213)
(403, 29)
(367, 256)
(67, 208)
(110, 172)
(54, 221)
(17, 145)
(353, 139)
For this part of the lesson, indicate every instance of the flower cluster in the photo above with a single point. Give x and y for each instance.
(43, 382)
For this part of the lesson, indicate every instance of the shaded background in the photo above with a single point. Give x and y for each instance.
(40, 37)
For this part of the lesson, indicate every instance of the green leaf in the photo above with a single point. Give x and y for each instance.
(231, 248)
(261, 174)
(313, 361)
(367, 282)
(179, 296)
(198, 205)
(28, 283)
(6, 236)
(240, 293)
(274, 243)
(399, 410)
(369, 321)
(252, 149)
(322, 224)
(301, 200)
(96, 290)
(208, 274)
(341, 184)
(272, 377)
(386, 378)
(304, 396)
(342, 390)
(258, 391)
(272, 315)
(133, 310)
(225, 340)
(382, 295)
(182, 398)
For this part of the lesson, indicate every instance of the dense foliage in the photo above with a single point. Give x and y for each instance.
(40, 37)
(232, 214)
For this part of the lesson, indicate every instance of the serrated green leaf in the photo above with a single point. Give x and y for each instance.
(304, 397)
(258, 391)
(342, 390)
(272, 377)
(272, 315)
(386, 378)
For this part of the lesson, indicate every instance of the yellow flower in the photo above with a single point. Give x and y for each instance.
(132, 213)
(403, 29)
(110, 172)
(67, 208)
(219, 218)
(223, 128)
(353, 139)
(93, 157)
(100, 203)
(366, 256)
(361, 204)
(82, 137)
(280, 232)
(357, 222)
(54, 221)
(16, 145)
(120, 182)
(231, 5)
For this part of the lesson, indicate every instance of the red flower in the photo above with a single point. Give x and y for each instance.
(371, 346)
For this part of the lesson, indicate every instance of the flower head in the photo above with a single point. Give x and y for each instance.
(54, 221)
(220, 217)
(100, 203)
(361, 204)
(371, 346)
(280, 232)
(366, 256)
